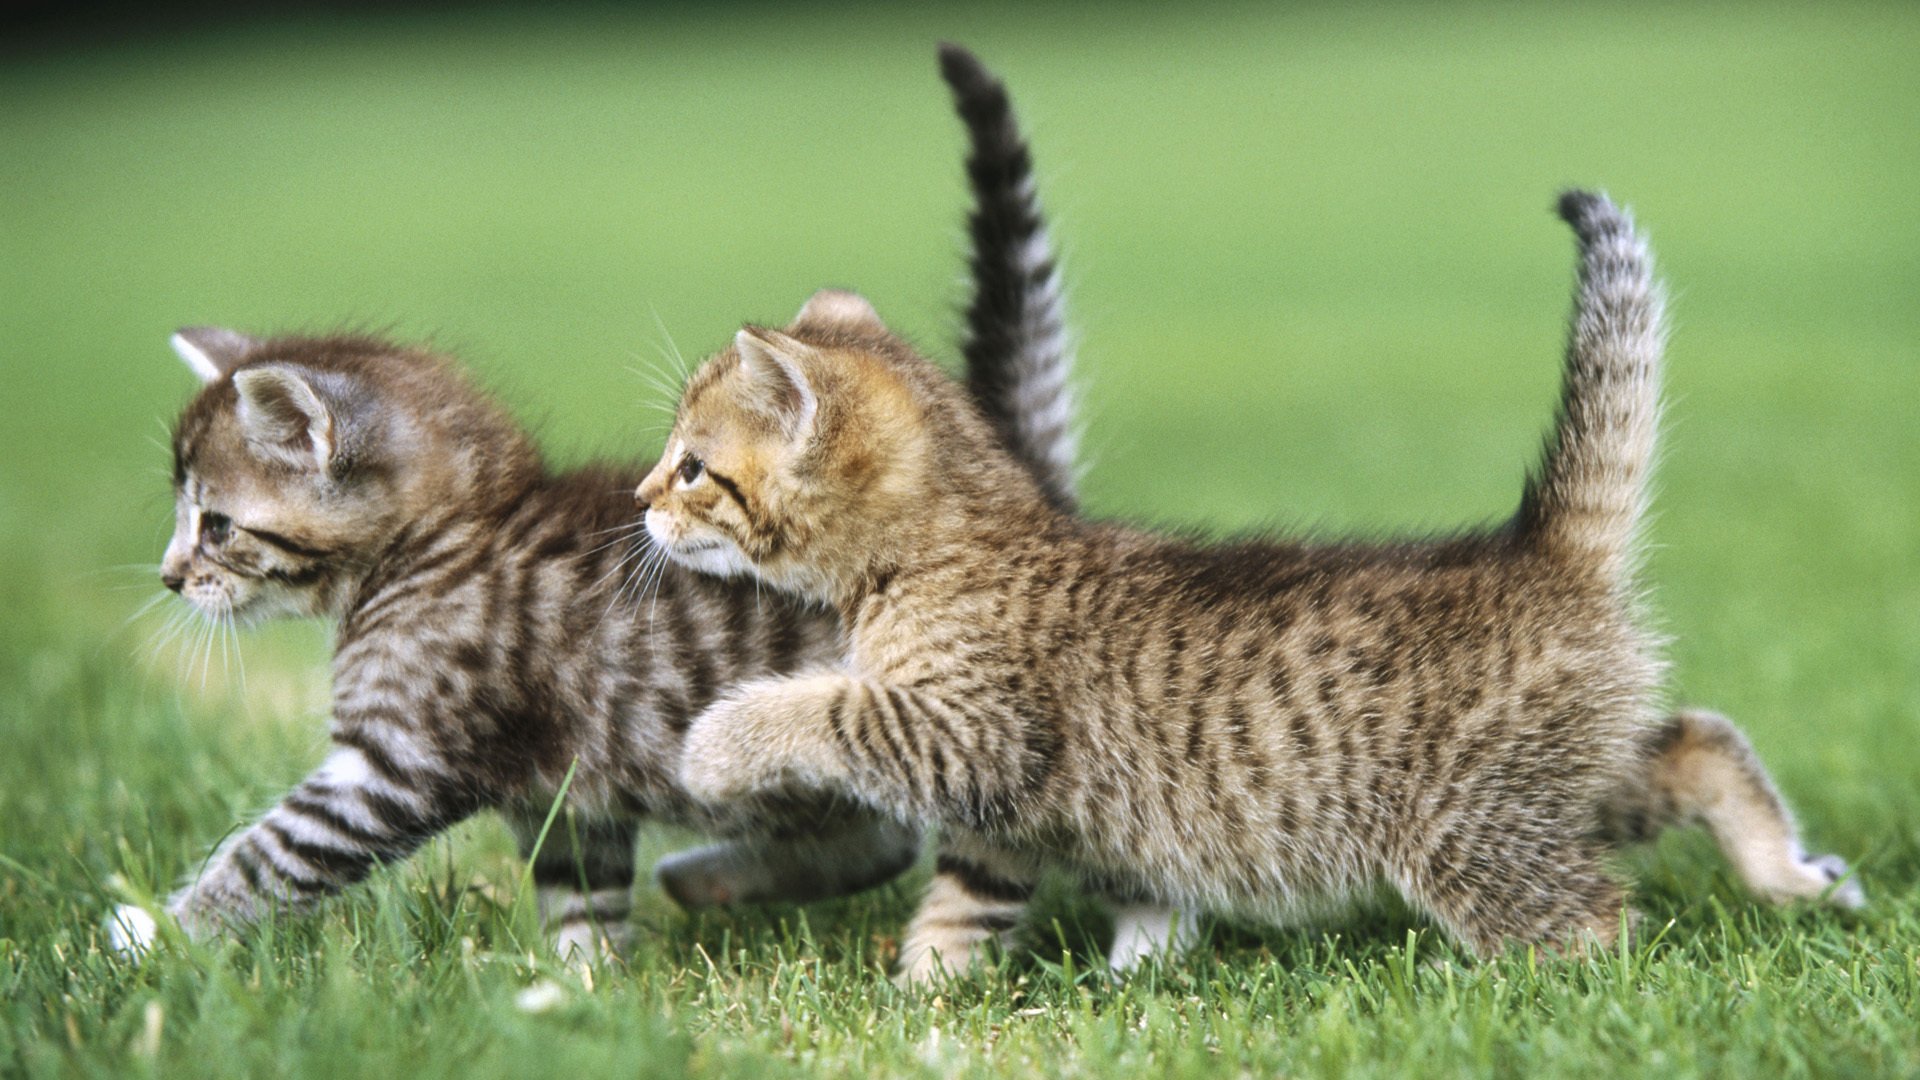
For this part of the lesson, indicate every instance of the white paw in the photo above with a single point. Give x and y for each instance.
(131, 931)
(582, 945)
(1832, 868)
(1144, 930)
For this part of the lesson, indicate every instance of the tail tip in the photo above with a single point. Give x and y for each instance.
(1592, 215)
(963, 71)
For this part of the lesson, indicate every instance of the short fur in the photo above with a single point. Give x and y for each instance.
(1255, 726)
(499, 622)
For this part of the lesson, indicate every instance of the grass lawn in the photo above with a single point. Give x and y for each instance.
(1318, 283)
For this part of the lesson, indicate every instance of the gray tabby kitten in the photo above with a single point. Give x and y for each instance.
(484, 642)
(1257, 727)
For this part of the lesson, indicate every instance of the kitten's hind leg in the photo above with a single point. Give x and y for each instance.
(970, 909)
(854, 852)
(1502, 884)
(584, 874)
(1698, 768)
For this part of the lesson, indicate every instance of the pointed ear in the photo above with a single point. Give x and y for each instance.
(284, 417)
(211, 351)
(832, 307)
(771, 361)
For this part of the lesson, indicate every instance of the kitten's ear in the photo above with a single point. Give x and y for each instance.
(780, 389)
(285, 417)
(837, 307)
(211, 351)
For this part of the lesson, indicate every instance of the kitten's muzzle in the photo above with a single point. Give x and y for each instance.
(173, 582)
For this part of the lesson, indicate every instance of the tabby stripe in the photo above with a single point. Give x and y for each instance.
(245, 858)
(298, 579)
(889, 713)
(837, 722)
(384, 766)
(696, 660)
(980, 882)
(290, 875)
(727, 485)
(323, 813)
(335, 863)
(287, 543)
(785, 644)
(868, 713)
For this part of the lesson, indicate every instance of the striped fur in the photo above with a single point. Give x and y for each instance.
(499, 623)
(1015, 330)
(1587, 500)
(1019, 358)
(1259, 727)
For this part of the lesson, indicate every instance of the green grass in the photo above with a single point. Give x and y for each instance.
(1318, 284)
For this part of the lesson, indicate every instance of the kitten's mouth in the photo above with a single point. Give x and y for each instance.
(714, 557)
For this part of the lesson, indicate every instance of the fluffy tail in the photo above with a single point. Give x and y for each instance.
(1018, 357)
(1585, 502)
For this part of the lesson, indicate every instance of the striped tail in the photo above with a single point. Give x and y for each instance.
(1019, 361)
(1585, 502)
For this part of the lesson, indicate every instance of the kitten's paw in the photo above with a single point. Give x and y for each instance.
(923, 967)
(765, 737)
(707, 877)
(1837, 876)
(1141, 931)
(720, 762)
(581, 946)
(131, 931)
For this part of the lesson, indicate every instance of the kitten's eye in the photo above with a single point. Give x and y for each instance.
(216, 528)
(690, 469)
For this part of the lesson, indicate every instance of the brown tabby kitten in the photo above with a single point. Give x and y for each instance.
(1696, 768)
(499, 623)
(1255, 727)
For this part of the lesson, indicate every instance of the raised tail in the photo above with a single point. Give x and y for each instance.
(1585, 502)
(1019, 360)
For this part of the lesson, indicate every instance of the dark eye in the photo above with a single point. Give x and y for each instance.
(216, 528)
(690, 469)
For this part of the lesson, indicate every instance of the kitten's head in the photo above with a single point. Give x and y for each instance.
(302, 458)
(816, 456)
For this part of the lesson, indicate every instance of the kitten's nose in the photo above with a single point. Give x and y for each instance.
(174, 583)
(640, 502)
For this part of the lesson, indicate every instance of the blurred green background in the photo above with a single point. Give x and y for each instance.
(1309, 247)
(1311, 262)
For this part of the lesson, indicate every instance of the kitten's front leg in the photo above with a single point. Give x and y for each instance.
(917, 754)
(765, 736)
(358, 809)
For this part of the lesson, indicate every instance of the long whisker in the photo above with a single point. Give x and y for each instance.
(239, 658)
(654, 584)
(658, 381)
(640, 553)
(153, 601)
(206, 653)
(636, 583)
(625, 526)
(615, 542)
(164, 636)
(673, 348)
